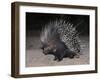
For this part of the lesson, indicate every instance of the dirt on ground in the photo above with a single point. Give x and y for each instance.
(35, 57)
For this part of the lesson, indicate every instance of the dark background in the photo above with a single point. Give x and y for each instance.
(35, 21)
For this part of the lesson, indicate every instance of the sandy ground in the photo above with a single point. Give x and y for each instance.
(35, 57)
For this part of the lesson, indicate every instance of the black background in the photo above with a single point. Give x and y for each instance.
(35, 21)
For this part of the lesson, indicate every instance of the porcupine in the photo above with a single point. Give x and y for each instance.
(60, 38)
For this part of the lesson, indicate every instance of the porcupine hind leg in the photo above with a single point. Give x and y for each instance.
(72, 55)
(69, 54)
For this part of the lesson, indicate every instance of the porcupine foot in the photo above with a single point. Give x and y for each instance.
(60, 58)
(55, 58)
(77, 56)
(71, 56)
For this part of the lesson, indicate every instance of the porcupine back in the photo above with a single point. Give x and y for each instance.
(69, 35)
(64, 30)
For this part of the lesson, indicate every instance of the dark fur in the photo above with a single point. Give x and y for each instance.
(58, 49)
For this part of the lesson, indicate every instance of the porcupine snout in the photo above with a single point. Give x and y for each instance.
(48, 48)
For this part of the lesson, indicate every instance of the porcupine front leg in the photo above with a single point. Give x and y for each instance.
(59, 57)
(55, 58)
